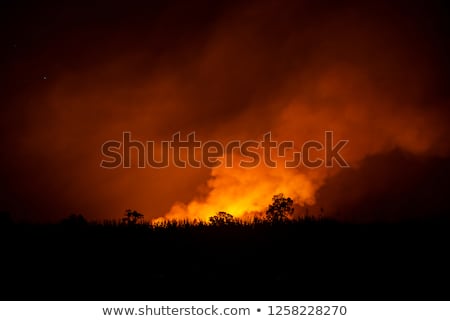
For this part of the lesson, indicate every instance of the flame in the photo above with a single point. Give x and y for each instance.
(241, 191)
(247, 192)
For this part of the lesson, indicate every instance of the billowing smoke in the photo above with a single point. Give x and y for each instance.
(374, 74)
(355, 75)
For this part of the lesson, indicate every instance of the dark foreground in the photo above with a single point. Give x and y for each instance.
(297, 261)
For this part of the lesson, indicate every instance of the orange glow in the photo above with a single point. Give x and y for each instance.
(241, 191)
(295, 69)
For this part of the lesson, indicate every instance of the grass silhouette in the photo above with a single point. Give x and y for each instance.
(304, 258)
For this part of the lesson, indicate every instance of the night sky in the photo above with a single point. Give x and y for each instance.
(75, 75)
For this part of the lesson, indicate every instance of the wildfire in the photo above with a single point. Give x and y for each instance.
(243, 192)
(295, 70)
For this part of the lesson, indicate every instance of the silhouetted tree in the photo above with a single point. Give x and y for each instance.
(133, 217)
(280, 209)
(221, 219)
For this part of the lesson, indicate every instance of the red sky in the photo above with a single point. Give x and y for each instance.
(75, 76)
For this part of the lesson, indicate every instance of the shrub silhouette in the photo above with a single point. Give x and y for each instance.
(221, 219)
(133, 217)
(280, 209)
(75, 220)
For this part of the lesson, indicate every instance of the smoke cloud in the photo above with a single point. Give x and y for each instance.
(375, 74)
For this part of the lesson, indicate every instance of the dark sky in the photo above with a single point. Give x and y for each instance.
(75, 75)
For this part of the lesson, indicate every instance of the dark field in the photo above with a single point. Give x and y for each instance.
(302, 260)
